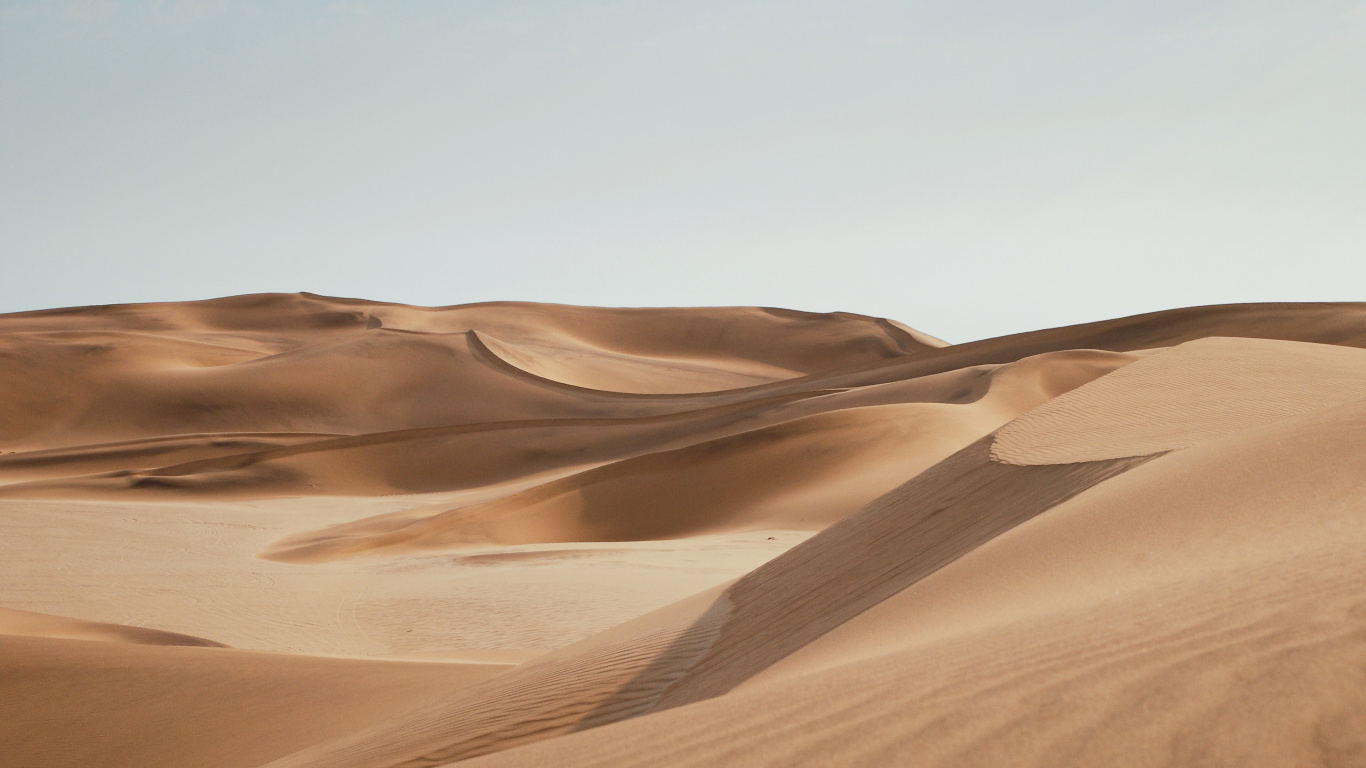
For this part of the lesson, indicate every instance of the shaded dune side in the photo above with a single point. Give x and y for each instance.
(1180, 396)
(374, 381)
(467, 455)
(1284, 491)
(802, 473)
(145, 452)
(902, 537)
(29, 624)
(276, 363)
(1267, 675)
(402, 461)
(908, 534)
(1205, 608)
(603, 679)
(200, 376)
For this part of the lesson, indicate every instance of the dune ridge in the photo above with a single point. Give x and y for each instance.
(1226, 644)
(509, 534)
(29, 624)
(1195, 391)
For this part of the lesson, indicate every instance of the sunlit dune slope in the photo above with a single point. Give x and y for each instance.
(804, 472)
(966, 507)
(892, 543)
(303, 363)
(78, 703)
(1337, 324)
(690, 537)
(1183, 395)
(296, 394)
(103, 393)
(1202, 607)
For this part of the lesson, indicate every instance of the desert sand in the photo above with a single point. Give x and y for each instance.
(294, 530)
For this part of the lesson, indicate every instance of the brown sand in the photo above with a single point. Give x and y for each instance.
(529, 534)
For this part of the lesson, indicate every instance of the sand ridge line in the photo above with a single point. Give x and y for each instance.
(896, 540)
(15, 622)
(1187, 394)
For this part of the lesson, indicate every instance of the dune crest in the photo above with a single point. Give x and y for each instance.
(1195, 391)
(512, 534)
(803, 473)
(29, 624)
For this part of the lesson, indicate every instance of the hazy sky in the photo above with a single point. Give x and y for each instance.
(971, 168)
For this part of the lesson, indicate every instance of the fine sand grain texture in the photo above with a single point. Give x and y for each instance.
(71, 702)
(294, 530)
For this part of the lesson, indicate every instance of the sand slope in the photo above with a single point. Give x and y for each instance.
(1194, 621)
(72, 702)
(802, 473)
(722, 536)
(29, 624)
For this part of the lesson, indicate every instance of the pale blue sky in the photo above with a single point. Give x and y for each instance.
(971, 168)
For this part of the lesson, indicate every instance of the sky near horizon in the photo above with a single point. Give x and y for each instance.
(970, 168)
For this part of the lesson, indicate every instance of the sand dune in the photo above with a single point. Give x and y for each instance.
(517, 534)
(29, 624)
(1208, 611)
(1184, 395)
(70, 702)
(306, 363)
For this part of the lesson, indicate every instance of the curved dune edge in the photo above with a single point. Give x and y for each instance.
(464, 456)
(1180, 396)
(600, 370)
(802, 473)
(303, 363)
(797, 475)
(1128, 542)
(901, 538)
(961, 505)
(918, 337)
(424, 460)
(1209, 609)
(14, 622)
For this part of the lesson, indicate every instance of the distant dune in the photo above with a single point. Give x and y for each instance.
(292, 530)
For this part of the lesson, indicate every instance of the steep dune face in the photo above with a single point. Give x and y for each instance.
(896, 541)
(796, 622)
(1131, 542)
(804, 472)
(1208, 610)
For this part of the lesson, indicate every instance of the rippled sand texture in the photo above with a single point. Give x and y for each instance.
(292, 530)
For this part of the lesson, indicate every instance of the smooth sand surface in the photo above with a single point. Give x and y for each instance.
(519, 534)
(72, 702)
(1184, 395)
(1203, 608)
(29, 624)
